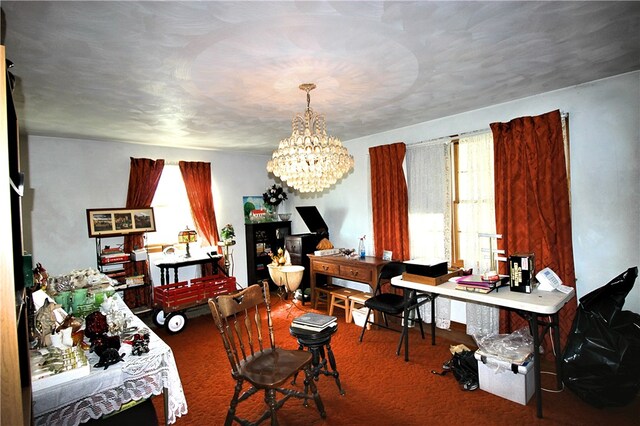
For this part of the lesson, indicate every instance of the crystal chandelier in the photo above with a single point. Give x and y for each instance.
(309, 160)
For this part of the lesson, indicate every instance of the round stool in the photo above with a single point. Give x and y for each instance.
(316, 342)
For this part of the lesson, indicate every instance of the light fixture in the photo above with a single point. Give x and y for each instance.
(309, 160)
(187, 236)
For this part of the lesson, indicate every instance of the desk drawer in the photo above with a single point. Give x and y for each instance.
(326, 268)
(353, 272)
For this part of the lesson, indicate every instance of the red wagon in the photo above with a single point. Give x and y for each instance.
(170, 301)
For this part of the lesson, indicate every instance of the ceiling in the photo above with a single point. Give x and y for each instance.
(225, 75)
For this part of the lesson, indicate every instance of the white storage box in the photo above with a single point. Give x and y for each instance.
(496, 376)
(359, 316)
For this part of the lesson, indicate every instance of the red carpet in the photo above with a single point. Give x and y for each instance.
(381, 388)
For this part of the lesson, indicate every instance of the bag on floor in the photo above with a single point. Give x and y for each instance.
(464, 367)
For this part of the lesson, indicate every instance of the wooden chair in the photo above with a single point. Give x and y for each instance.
(263, 365)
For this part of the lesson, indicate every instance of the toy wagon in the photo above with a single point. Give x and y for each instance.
(170, 301)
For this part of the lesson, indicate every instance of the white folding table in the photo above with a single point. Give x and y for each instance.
(539, 308)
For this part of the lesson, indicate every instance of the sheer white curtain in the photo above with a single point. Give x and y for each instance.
(429, 184)
(476, 214)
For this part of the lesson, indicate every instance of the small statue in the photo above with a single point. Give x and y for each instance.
(109, 357)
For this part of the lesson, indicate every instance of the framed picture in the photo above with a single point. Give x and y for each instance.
(115, 222)
(254, 209)
(387, 254)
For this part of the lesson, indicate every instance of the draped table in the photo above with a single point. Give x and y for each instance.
(105, 391)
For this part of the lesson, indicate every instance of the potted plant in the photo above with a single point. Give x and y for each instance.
(228, 234)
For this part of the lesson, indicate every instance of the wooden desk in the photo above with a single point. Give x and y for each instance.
(539, 308)
(352, 269)
(177, 262)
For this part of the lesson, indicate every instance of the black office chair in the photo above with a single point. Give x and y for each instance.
(389, 303)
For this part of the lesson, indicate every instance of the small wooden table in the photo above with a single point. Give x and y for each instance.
(177, 262)
(351, 269)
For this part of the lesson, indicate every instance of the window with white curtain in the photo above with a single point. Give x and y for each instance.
(170, 207)
(451, 201)
(429, 183)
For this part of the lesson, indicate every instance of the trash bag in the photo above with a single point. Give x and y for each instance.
(601, 360)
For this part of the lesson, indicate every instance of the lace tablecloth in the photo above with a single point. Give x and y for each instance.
(105, 391)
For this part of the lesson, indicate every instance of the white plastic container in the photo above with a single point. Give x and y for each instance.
(359, 316)
(497, 377)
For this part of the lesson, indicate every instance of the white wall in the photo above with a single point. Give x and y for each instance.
(605, 176)
(65, 177)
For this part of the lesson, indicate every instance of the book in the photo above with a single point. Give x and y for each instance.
(318, 329)
(313, 321)
(474, 288)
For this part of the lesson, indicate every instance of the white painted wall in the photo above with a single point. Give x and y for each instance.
(605, 176)
(64, 177)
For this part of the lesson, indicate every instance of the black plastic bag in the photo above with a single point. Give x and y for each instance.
(601, 361)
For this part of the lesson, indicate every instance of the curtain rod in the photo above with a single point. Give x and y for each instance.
(447, 139)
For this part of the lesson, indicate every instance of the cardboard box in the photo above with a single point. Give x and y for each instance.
(430, 280)
(497, 377)
(426, 268)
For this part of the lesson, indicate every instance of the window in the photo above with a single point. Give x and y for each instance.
(171, 208)
(473, 200)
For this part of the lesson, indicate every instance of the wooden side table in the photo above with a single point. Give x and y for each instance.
(352, 269)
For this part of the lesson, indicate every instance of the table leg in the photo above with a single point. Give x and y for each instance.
(163, 271)
(556, 343)
(433, 319)
(405, 324)
(165, 394)
(175, 275)
(533, 323)
(312, 286)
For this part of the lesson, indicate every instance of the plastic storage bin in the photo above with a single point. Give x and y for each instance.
(359, 316)
(497, 377)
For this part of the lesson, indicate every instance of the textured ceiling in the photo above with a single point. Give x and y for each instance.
(225, 75)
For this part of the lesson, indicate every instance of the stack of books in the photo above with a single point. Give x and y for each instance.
(314, 322)
(478, 284)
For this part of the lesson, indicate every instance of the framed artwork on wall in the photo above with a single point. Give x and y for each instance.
(254, 209)
(119, 221)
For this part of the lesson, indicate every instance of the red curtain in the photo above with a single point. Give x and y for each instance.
(144, 176)
(389, 199)
(532, 201)
(197, 180)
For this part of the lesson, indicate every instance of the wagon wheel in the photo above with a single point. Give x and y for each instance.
(175, 322)
(158, 317)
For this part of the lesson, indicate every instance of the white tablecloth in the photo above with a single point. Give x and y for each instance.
(104, 391)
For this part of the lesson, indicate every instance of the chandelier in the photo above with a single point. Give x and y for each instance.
(309, 160)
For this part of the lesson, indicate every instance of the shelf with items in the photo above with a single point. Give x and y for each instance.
(129, 270)
(263, 239)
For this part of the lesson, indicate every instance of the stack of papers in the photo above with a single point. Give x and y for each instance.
(314, 322)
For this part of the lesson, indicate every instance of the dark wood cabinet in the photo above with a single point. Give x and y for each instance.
(263, 239)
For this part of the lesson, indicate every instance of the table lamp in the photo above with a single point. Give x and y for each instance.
(187, 236)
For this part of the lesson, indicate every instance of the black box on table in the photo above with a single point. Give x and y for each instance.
(521, 272)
